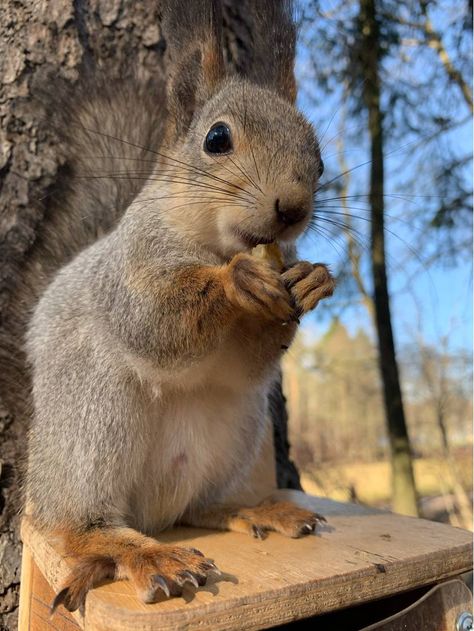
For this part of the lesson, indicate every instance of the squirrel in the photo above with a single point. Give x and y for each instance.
(154, 349)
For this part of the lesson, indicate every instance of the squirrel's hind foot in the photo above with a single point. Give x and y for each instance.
(155, 570)
(284, 517)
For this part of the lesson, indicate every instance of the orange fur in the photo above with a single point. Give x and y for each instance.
(255, 287)
(105, 553)
(283, 517)
(308, 283)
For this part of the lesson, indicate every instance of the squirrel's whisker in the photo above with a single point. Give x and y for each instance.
(256, 166)
(193, 183)
(325, 234)
(245, 174)
(158, 153)
(241, 169)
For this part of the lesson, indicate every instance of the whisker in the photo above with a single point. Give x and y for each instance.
(168, 180)
(323, 232)
(158, 153)
(244, 173)
(358, 236)
(256, 166)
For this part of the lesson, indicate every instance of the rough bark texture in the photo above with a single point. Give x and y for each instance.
(403, 481)
(41, 44)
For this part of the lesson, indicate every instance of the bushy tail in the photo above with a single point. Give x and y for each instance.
(107, 133)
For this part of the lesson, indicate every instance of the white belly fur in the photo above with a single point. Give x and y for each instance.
(202, 444)
(205, 423)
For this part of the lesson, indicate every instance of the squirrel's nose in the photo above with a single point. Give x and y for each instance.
(288, 213)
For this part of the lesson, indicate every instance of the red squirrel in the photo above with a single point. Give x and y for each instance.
(154, 350)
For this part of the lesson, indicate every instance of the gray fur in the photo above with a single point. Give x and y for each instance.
(138, 419)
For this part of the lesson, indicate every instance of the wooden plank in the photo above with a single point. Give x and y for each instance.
(36, 597)
(25, 589)
(40, 610)
(361, 554)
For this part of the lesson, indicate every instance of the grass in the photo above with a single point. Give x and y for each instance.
(371, 480)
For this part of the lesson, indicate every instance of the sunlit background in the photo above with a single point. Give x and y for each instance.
(338, 426)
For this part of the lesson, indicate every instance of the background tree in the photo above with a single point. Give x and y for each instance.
(369, 45)
(399, 92)
(440, 378)
(338, 431)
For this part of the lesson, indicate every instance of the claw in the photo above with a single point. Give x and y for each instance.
(215, 570)
(258, 533)
(189, 578)
(196, 551)
(162, 584)
(319, 517)
(60, 599)
(307, 528)
(209, 566)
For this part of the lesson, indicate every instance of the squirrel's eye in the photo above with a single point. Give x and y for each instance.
(218, 139)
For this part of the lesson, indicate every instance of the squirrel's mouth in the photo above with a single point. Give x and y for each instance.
(252, 240)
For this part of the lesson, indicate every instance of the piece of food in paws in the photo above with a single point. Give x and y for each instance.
(271, 253)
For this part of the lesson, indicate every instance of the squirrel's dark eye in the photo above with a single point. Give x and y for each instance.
(218, 139)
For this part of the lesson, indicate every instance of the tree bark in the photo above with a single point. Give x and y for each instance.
(404, 498)
(42, 43)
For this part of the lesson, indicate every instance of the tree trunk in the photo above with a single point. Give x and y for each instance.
(404, 498)
(41, 44)
(286, 472)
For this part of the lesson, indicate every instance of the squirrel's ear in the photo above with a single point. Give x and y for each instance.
(266, 51)
(193, 31)
(286, 81)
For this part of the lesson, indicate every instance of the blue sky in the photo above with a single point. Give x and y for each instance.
(434, 300)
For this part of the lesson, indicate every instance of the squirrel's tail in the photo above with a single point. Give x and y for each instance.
(107, 136)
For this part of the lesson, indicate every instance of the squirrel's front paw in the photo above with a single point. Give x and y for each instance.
(308, 283)
(255, 287)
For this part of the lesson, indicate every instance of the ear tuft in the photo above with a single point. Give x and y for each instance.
(265, 52)
(193, 31)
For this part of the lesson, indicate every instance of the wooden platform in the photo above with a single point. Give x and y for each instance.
(360, 555)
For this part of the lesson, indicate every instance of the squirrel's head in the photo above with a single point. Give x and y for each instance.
(240, 164)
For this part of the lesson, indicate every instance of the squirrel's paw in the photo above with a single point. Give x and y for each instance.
(154, 571)
(283, 517)
(255, 287)
(166, 570)
(308, 283)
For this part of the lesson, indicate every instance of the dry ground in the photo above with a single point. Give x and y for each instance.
(369, 482)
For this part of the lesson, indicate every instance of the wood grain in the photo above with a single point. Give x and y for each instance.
(360, 555)
(35, 601)
(26, 590)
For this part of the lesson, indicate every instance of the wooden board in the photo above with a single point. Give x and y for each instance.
(36, 597)
(361, 554)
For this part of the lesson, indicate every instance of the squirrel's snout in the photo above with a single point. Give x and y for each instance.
(290, 213)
